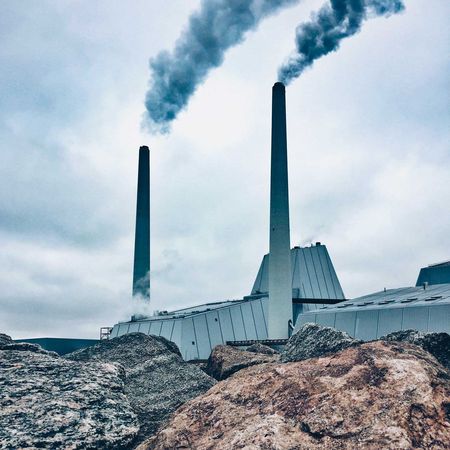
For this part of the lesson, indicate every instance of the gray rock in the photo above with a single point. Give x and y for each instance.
(438, 344)
(261, 348)
(5, 339)
(27, 347)
(226, 360)
(157, 382)
(53, 403)
(312, 341)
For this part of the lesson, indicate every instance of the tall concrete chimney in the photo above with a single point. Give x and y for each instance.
(280, 282)
(141, 271)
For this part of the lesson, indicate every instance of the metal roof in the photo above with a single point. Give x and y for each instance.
(313, 274)
(434, 274)
(375, 315)
(407, 296)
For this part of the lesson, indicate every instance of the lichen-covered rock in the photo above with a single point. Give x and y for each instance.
(226, 360)
(157, 381)
(128, 350)
(379, 395)
(52, 403)
(27, 347)
(5, 339)
(438, 344)
(261, 348)
(312, 341)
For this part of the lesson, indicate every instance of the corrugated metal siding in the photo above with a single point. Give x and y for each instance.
(313, 274)
(197, 334)
(375, 315)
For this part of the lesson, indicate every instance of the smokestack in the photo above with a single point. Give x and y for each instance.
(141, 272)
(280, 282)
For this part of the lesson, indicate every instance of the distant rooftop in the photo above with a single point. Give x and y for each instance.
(313, 274)
(441, 264)
(438, 273)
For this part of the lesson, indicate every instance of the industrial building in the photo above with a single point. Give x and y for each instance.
(293, 285)
(199, 329)
(424, 307)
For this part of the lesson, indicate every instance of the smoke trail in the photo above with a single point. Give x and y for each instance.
(323, 34)
(217, 26)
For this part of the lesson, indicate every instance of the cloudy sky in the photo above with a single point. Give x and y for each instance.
(369, 159)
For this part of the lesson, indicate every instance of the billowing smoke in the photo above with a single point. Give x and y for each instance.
(333, 22)
(217, 26)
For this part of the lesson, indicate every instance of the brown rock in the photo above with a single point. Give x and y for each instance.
(379, 395)
(226, 360)
(261, 348)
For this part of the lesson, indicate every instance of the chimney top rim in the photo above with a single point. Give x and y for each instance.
(279, 85)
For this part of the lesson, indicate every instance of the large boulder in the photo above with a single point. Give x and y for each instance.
(27, 347)
(226, 360)
(312, 341)
(157, 382)
(5, 339)
(48, 402)
(438, 344)
(376, 395)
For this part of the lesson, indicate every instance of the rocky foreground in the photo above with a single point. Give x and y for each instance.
(377, 395)
(158, 381)
(51, 403)
(324, 391)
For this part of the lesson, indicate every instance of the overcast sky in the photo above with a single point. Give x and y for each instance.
(368, 142)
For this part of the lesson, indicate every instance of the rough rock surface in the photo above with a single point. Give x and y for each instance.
(157, 381)
(261, 348)
(52, 403)
(379, 395)
(27, 347)
(312, 341)
(226, 360)
(5, 339)
(438, 344)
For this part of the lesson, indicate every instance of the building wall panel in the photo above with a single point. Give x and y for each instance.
(257, 309)
(202, 336)
(114, 331)
(215, 333)
(389, 320)
(324, 319)
(145, 327)
(226, 324)
(346, 321)
(123, 329)
(155, 327)
(415, 319)
(134, 327)
(176, 333)
(304, 318)
(366, 325)
(238, 323)
(188, 340)
(249, 321)
(166, 329)
(439, 319)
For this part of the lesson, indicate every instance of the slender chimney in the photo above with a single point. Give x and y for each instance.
(141, 272)
(280, 282)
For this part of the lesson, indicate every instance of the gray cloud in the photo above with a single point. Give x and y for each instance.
(324, 33)
(219, 25)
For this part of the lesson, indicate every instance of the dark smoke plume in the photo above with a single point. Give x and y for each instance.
(323, 34)
(217, 26)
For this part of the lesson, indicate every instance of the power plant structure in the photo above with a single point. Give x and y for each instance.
(293, 285)
(141, 268)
